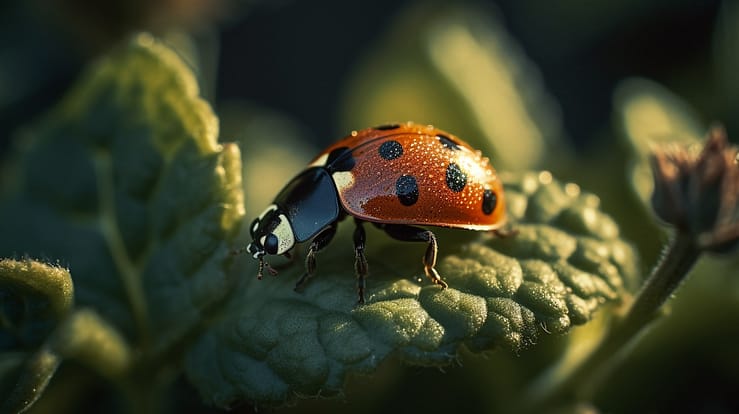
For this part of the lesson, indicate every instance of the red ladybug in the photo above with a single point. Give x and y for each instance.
(396, 177)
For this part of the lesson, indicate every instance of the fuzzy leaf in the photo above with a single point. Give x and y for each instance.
(36, 304)
(565, 263)
(126, 184)
(34, 297)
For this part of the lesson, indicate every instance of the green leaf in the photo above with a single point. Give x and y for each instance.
(81, 336)
(126, 184)
(34, 297)
(38, 332)
(566, 262)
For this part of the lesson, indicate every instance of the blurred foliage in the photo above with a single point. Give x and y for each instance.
(574, 87)
(652, 115)
(457, 67)
(124, 182)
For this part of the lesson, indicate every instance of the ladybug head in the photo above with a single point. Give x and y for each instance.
(271, 233)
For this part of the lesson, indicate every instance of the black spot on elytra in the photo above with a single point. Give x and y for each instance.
(447, 142)
(406, 189)
(340, 159)
(489, 201)
(456, 179)
(390, 150)
(387, 127)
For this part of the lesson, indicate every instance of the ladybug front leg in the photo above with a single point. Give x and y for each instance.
(411, 233)
(316, 245)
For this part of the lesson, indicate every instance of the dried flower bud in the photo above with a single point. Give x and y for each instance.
(697, 190)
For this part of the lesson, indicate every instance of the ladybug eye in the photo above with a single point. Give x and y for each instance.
(253, 227)
(270, 244)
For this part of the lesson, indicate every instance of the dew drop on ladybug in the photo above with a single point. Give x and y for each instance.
(401, 178)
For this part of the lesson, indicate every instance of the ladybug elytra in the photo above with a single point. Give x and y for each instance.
(397, 177)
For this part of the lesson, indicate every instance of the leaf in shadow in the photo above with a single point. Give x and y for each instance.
(82, 336)
(126, 184)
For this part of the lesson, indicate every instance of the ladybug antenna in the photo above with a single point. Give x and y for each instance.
(236, 252)
(260, 267)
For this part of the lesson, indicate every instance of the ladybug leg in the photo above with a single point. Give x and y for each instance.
(504, 233)
(360, 261)
(290, 259)
(316, 245)
(411, 233)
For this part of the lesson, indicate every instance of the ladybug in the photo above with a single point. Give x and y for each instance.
(397, 177)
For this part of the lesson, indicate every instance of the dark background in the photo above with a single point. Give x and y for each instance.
(580, 66)
(294, 56)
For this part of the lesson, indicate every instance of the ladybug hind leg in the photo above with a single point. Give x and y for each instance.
(360, 261)
(505, 232)
(411, 234)
(316, 245)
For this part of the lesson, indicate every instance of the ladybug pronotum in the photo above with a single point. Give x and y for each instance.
(397, 177)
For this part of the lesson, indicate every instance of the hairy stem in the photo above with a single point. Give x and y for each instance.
(680, 256)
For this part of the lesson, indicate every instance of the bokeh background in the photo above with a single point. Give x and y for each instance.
(299, 57)
(573, 86)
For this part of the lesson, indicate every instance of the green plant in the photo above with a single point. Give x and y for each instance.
(145, 205)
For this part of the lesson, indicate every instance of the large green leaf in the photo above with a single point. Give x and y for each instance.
(273, 343)
(126, 184)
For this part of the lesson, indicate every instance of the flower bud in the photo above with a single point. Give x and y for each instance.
(697, 190)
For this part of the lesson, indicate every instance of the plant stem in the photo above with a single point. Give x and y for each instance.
(584, 381)
(679, 257)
